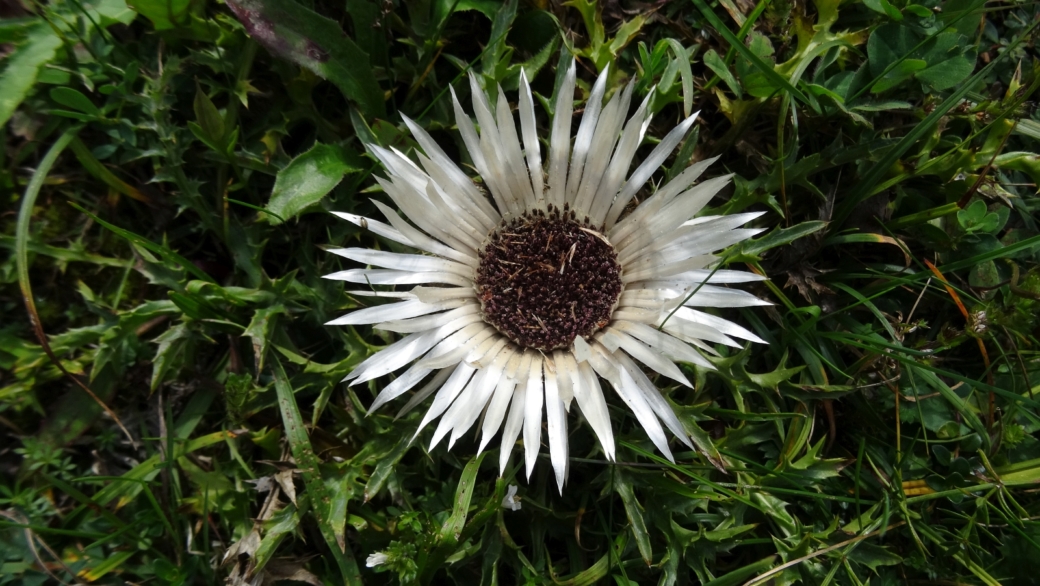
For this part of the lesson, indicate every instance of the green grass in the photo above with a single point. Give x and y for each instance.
(170, 401)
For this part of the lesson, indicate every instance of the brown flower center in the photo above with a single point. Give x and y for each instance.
(545, 278)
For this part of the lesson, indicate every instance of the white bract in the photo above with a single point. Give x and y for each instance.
(478, 343)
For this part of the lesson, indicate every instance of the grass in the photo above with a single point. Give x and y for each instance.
(169, 397)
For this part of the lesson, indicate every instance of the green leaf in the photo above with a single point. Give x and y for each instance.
(210, 122)
(873, 556)
(308, 178)
(903, 71)
(385, 467)
(452, 528)
(777, 509)
(195, 306)
(97, 169)
(74, 99)
(918, 10)
(341, 488)
(497, 47)
(682, 58)
(896, 53)
(258, 331)
(772, 380)
(714, 62)
(443, 8)
(884, 7)
(625, 33)
(888, 44)
(962, 15)
(812, 466)
(172, 345)
(950, 58)
(23, 66)
(164, 14)
(298, 34)
(740, 575)
(827, 13)
(276, 529)
(963, 408)
(110, 564)
(727, 533)
(13, 30)
(634, 512)
(1026, 162)
(972, 215)
(883, 106)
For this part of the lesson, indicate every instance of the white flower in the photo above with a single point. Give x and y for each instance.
(526, 299)
(510, 501)
(376, 559)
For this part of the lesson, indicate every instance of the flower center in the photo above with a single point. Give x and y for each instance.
(546, 278)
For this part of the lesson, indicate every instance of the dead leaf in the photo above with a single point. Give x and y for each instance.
(285, 481)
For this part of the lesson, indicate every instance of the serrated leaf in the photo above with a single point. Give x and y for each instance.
(385, 467)
(723, 534)
(500, 24)
(258, 331)
(23, 65)
(341, 488)
(811, 465)
(772, 380)
(775, 508)
(873, 556)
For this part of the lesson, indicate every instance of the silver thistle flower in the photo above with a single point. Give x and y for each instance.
(525, 300)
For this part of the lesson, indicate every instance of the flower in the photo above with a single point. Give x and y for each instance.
(510, 501)
(525, 299)
(376, 559)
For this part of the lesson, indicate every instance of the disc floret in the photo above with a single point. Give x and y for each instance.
(547, 277)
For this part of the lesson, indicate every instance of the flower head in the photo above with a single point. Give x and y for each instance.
(376, 559)
(526, 299)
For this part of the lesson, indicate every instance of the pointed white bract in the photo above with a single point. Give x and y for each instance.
(478, 375)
